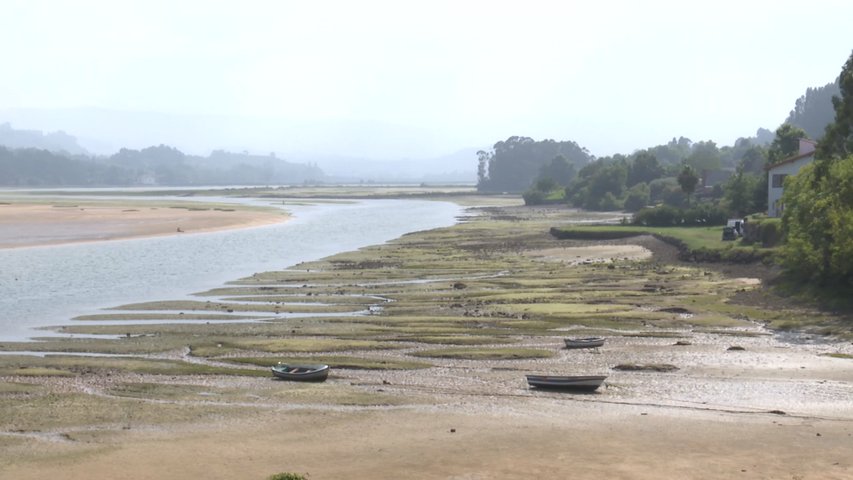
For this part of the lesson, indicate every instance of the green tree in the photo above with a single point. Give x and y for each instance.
(818, 223)
(704, 158)
(754, 159)
(644, 168)
(688, 180)
(786, 143)
(814, 110)
(638, 197)
(559, 170)
(740, 192)
(516, 162)
(837, 142)
(483, 159)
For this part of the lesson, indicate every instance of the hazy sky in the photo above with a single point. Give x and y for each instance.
(612, 75)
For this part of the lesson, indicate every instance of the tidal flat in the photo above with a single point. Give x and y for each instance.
(430, 337)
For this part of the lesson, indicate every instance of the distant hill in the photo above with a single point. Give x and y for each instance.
(160, 165)
(105, 131)
(57, 142)
(346, 149)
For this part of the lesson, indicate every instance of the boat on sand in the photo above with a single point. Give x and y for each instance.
(587, 342)
(586, 383)
(301, 373)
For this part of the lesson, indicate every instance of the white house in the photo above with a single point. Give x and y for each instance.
(777, 172)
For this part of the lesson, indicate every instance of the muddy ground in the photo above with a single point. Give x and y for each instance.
(430, 338)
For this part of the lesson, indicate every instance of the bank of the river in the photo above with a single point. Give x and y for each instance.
(430, 337)
(48, 285)
(37, 224)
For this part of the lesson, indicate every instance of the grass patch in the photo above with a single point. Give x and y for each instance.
(355, 363)
(837, 355)
(28, 371)
(485, 353)
(62, 365)
(18, 388)
(290, 345)
(52, 411)
(696, 243)
(455, 339)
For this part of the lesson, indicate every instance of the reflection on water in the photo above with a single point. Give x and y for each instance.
(49, 285)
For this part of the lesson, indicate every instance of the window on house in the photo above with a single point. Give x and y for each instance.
(778, 180)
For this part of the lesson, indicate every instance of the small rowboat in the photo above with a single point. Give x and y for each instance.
(571, 382)
(301, 373)
(588, 342)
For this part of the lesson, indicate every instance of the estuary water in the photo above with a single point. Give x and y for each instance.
(48, 286)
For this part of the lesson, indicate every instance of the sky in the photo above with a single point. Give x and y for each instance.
(420, 78)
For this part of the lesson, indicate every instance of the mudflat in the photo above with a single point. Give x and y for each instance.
(429, 338)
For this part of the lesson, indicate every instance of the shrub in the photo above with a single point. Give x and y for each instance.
(287, 476)
(534, 197)
(638, 197)
(610, 202)
(770, 232)
(661, 216)
(668, 216)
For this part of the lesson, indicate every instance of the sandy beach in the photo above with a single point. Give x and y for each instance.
(27, 225)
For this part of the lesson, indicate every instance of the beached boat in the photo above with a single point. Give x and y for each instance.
(301, 373)
(588, 342)
(566, 382)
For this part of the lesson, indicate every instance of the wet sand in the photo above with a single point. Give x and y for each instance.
(568, 440)
(27, 225)
(771, 410)
(749, 418)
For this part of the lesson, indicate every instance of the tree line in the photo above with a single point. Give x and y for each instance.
(685, 182)
(156, 165)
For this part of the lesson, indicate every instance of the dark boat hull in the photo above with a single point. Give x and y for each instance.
(587, 383)
(301, 373)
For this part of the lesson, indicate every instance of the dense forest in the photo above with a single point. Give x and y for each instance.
(813, 111)
(729, 180)
(514, 164)
(699, 183)
(158, 165)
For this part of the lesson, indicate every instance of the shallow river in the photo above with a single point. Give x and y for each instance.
(45, 286)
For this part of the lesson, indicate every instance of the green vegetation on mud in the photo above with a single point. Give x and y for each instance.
(694, 243)
(468, 292)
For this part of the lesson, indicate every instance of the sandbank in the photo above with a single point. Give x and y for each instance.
(27, 225)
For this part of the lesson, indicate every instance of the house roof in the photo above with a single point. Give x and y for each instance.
(789, 160)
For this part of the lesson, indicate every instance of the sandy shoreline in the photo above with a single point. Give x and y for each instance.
(28, 225)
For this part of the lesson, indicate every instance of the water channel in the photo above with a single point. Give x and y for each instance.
(47, 286)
